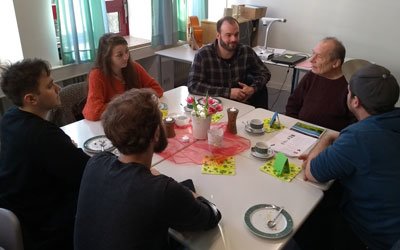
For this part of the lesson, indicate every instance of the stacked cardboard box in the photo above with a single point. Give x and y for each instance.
(254, 12)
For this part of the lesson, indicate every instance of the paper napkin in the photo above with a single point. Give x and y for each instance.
(275, 127)
(216, 117)
(268, 168)
(218, 165)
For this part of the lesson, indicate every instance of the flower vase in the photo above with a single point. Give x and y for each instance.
(200, 127)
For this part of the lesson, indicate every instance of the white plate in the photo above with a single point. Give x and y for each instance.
(270, 154)
(252, 130)
(257, 216)
(98, 144)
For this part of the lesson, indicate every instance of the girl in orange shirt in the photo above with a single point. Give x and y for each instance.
(114, 73)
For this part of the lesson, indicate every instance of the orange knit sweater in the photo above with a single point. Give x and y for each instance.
(101, 91)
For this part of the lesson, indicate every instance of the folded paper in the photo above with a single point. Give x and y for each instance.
(268, 168)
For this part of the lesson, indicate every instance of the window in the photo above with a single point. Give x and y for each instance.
(117, 15)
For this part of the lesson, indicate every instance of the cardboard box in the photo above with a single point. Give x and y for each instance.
(210, 29)
(254, 12)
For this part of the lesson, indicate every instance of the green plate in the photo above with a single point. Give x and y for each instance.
(256, 218)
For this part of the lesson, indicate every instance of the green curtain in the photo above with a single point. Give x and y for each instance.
(81, 24)
(200, 9)
(169, 19)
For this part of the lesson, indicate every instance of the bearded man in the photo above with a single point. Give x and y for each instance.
(229, 69)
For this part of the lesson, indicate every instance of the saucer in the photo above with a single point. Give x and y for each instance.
(252, 130)
(256, 218)
(270, 154)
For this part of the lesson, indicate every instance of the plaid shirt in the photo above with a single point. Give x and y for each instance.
(213, 75)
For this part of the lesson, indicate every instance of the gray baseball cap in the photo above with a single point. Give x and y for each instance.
(374, 85)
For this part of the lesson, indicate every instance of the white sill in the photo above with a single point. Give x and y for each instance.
(135, 42)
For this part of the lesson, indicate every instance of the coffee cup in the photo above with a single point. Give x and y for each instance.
(182, 120)
(261, 148)
(256, 124)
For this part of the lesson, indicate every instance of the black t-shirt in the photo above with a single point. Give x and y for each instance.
(124, 206)
(40, 173)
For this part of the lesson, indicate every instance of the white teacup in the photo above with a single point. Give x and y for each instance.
(215, 136)
(256, 124)
(262, 148)
(182, 120)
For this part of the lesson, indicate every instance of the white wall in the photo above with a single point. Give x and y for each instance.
(36, 29)
(368, 28)
(10, 45)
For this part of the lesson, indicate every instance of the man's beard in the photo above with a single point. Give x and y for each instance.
(226, 45)
(162, 141)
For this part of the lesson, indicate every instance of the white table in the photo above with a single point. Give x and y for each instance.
(287, 122)
(83, 130)
(186, 54)
(176, 100)
(233, 195)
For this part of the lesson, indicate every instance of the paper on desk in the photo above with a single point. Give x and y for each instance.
(291, 143)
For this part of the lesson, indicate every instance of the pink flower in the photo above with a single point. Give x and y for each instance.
(211, 101)
(219, 107)
(211, 110)
(190, 99)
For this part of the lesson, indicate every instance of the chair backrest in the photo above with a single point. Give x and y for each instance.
(351, 66)
(10, 231)
(73, 98)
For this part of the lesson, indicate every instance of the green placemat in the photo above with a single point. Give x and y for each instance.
(268, 168)
(275, 127)
(216, 117)
(218, 165)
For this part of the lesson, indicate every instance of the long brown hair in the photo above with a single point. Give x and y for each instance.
(103, 60)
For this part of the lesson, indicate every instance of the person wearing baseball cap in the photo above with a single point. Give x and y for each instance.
(364, 158)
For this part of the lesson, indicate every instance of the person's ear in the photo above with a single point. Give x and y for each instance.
(156, 136)
(356, 102)
(336, 64)
(30, 99)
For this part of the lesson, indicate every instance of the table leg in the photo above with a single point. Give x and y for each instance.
(295, 79)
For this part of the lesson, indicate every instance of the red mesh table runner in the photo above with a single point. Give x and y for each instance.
(194, 151)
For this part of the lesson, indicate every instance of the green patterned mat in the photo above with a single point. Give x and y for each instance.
(218, 165)
(275, 127)
(268, 168)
